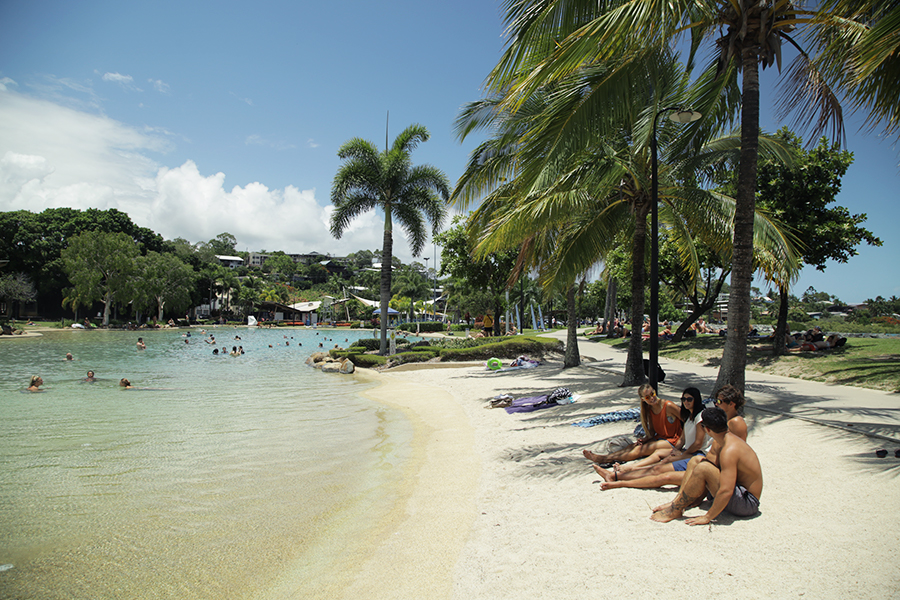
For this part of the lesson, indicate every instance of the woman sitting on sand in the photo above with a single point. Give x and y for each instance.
(661, 420)
(662, 467)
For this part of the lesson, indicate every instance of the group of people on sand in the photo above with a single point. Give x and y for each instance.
(703, 450)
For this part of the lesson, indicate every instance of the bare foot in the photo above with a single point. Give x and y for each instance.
(611, 485)
(606, 475)
(597, 458)
(668, 513)
(661, 507)
(622, 468)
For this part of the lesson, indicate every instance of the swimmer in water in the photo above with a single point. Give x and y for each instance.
(90, 377)
(125, 384)
(69, 356)
(140, 344)
(35, 384)
(215, 351)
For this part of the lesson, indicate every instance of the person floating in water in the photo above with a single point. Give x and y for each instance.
(216, 351)
(35, 384)
(140, 344)
(90, 377)
(125, 384)
(69, 356)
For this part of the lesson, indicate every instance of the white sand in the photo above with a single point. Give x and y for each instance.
(505, 506)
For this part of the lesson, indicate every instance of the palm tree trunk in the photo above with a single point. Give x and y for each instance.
(387, 258)
(734, 355)
(778, 345)
(573, 356)
(634, 363)
(609, 313)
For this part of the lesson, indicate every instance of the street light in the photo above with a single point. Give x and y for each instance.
(678, 115)
(427, 281)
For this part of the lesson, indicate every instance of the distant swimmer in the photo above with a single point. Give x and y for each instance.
(237, 337)
(69, 356)
(125, 384)
(234, 351)
(90, 377)
(215, 351)
(140, 344)
(240, 349)
(36, 383)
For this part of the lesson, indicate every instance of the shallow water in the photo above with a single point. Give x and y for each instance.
(218, 477)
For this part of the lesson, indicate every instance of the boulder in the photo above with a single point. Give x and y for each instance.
(347, 366)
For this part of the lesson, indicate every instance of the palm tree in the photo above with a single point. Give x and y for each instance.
(580, 178)
(552, 38)
(369, 179)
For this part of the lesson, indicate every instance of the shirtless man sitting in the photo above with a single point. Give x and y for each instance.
(735, 482)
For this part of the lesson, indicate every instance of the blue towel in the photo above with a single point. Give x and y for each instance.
(629, 414)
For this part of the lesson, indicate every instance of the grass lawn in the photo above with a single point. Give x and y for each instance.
(862, 362)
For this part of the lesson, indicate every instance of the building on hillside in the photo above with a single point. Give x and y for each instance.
(232, 262)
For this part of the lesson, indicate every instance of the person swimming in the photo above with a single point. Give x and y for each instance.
(125, 384)
(35, 384)
(90, 377)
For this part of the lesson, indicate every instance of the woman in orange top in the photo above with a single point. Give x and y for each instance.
(661, 420)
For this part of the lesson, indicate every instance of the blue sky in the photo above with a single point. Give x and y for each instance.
(197, 118)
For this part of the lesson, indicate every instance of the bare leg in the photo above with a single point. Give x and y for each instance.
(605, 474)
(632, 452)
(650, 461)
(703, 476)
(649, 482)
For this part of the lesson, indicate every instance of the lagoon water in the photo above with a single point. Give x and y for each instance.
(218, 477)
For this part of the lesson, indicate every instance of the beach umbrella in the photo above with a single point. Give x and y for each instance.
(391, 311)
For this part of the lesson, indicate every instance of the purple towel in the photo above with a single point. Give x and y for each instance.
(531, 403)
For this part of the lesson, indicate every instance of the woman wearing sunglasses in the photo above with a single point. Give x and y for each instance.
(664, 467)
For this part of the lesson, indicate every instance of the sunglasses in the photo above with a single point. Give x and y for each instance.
(687, 398)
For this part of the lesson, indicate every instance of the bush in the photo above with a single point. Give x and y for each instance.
(368, 343)
(367, 361)
(351, 354)
(413, 357)
(534, 347)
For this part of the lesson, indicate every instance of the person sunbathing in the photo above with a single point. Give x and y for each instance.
(661, 420)
(663, 467)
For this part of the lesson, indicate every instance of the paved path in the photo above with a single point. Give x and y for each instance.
(871, 412)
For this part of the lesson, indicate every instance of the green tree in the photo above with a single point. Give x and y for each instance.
(16, 288)
(802, 194)
(101, 267)
(552, 38)
(282, 264)
(480, 277)
(369, 179)
(569, 177)
(165, 281)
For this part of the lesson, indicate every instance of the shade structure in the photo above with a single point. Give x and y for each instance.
(391, 311)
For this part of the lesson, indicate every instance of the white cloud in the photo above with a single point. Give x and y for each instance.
(159, 85)
(246, 101)
(126, 81)
(311, 143)
(53, 156)
(5, 83)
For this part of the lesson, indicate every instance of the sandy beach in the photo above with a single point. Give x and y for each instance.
(505, 506)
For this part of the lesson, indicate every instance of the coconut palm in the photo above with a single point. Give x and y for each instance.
(552, 38)
(369, 179)
(566, 180)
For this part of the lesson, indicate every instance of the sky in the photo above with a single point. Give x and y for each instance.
(198, 118)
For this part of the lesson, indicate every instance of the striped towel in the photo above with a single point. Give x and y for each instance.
(629, 414)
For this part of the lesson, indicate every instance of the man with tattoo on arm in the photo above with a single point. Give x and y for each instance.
(735, 482)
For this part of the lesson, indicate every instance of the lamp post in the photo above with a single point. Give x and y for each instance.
(678, 115)
(427, 281)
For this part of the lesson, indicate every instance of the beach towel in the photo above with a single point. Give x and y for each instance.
(628, 414)
(558, 396)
